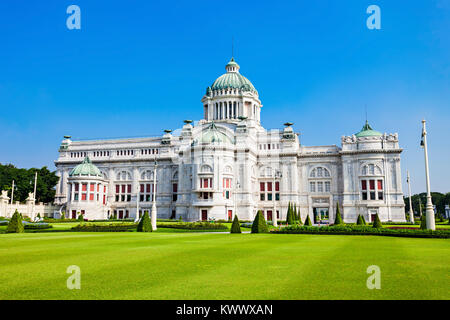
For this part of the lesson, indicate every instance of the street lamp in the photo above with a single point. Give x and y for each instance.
(278, 175)
(411, 212)
(154, 213)
(429, 207)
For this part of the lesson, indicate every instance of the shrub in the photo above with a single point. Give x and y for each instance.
(360, 221)
(112, 227)
(195, 226)
(80, 217)
(338, 219)
(37, 226)
(365, 230)
(308, 221)
(145, 225)
(290, 219)
(235, 227)
(259, 224)
(423, 222)
(15, 225)
(377, 222)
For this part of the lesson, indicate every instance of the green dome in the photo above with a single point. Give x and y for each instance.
(86, 168)
(367, 131)
(212, 135)
(232, 79)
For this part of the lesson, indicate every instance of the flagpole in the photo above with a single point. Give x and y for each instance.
(429, 212)
(34, 193)
(411, 212)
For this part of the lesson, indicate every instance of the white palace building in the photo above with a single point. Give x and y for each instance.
(227, 164)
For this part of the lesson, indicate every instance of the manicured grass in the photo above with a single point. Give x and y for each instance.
(132, 265)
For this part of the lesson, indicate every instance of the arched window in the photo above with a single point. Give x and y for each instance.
(147, 175)
(320, 180)
(206, 168)
(124, 176)
(320, 172)
(371, 170)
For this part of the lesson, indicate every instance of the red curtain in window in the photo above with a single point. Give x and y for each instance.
(84, 187)
(148, 187)
(372, 184)
(91, 187)
(380, 184)
(91, 197)
(205, 183)
(83, 196)
(123, 188)
(117, 188)
(261, 186)
(129, 188)
(175, 187)
(269, 186)
(277, 186)
(364, 184)
(76, 187)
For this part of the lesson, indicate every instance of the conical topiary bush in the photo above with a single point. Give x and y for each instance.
(377, 222)
(308, 221)
(15, 225)
(145, 225)
(259, 224)
(338, 219)
(290, 215)
(235, 227)
(360, 221)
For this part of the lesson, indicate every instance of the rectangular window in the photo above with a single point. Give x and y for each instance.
(84, 187)
(83, 196)
(277, 197)
(327, 186)
(141, 188)
(364, 185)
(319, 186)
(174, 187)
(269, 186)
(364, 195)
(76, 187)
(129, 188)
(261, 197)
(277, 186)
(141, 198)
(372, 184)
(91, 197)
(227, 194)
(380, 184)
(91, 187)
(129, 197)
(117, 198)
(269, 197)
(148, 187)
(380, 195)
(312, 187)
(372, 195)
(123, 188)
(261, 186)
(117, 188)
(76, 196)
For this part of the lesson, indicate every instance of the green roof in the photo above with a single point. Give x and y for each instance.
(367, 131)
(86, 168)
(232, 79)
(212, 135)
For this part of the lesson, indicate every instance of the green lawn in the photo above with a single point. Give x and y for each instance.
(131, 265)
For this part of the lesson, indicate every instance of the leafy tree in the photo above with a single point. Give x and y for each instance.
(377, 222)
(308, 221)
(15, 225)
(235, 227)
(24, 181)
(145, 225)
(338, 219)
(259, 224)
(80, 217)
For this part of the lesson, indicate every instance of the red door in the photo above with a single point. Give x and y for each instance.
(269, 215)
(230, 214)
(204, 215)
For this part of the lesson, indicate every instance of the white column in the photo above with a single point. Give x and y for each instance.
(429, 207)
(274, 192)
(154, 212)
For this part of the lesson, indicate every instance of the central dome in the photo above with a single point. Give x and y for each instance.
(232, 79)
(86, 168)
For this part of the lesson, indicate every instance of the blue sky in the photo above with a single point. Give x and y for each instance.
(138, 67)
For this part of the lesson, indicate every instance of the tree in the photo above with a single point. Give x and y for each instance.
(145, 225)
(377, 222)
(235, 227)
(308, 221)
(259, 224)
(15, 225)
(80, 217)
(299, 216)
(338, 219)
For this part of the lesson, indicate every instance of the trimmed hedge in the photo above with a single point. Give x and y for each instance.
(52, 220)
(365, 230)
(112, 227)
(195, 226)
(37, 226)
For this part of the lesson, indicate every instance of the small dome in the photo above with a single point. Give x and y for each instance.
(212, 135)
(367, 131)
(232, 79)
(86, 169)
